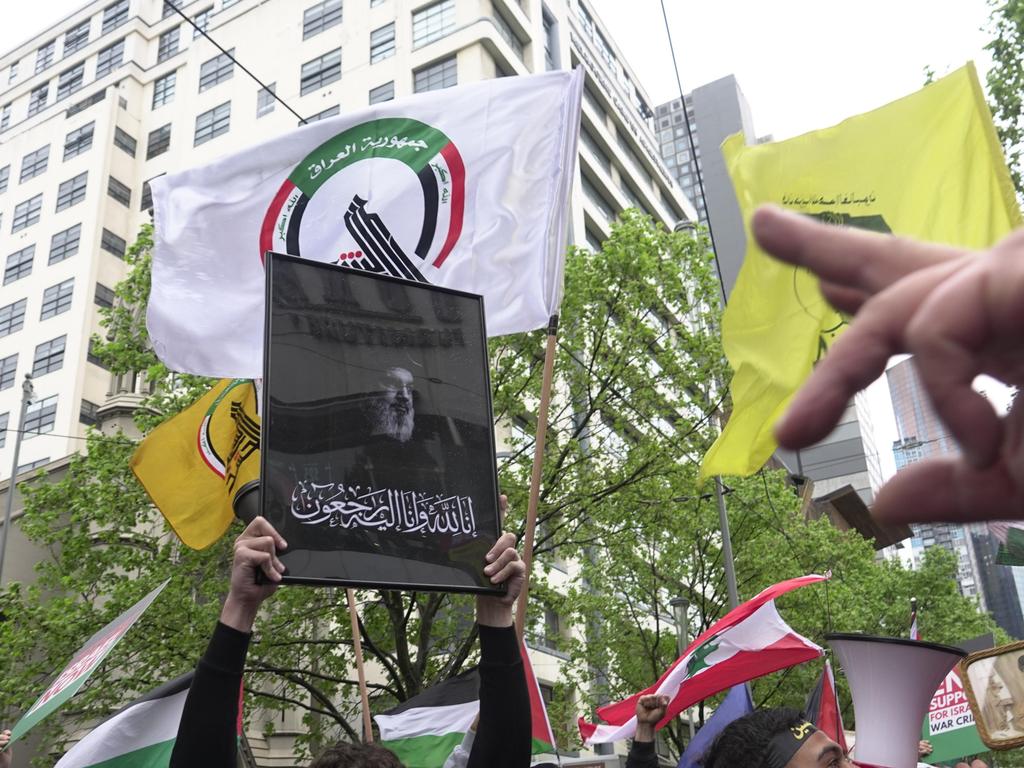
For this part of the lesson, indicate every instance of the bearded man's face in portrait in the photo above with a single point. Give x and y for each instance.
(391, 412)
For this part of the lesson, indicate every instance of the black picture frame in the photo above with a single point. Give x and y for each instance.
(377, 447)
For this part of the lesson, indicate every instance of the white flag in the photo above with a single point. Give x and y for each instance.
(465, 188)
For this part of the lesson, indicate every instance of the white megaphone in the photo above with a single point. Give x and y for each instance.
(892, 681)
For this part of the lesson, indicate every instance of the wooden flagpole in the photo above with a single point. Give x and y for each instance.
(538, 466)
(357, 645)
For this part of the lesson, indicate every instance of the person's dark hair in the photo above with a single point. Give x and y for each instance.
(345, 755)
(744, 741)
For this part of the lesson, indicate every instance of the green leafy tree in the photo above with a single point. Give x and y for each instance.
(1006, 79)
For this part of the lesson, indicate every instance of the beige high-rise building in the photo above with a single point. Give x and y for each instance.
(117, 93)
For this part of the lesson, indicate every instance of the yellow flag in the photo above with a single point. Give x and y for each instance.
(928, 166)
(194, 464)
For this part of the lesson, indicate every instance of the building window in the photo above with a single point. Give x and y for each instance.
(5, 116)
(168, 9)
(147, 197)
(114, 15)
(329, 112)
(111, 243)
(433, 22)
(119, 192)
(88, 414)
(37, 99)
(321, 71)
(70, 80)
(19, 264)
(12, 74)
(5, 175)
(93, 357)
(12, 317)
(8, 371)
(4, 418)
(27, 213)
(40, 417)
(125, 142)
(265, 100)
(375, 3)
(163, 90)
(78, 141)
(202, 20)
(44, 55)
(551, 57)
(49, 356)
(72, 191)
(104, 296)
(382, 43)
(319, 17)
(87, 102)
(442, 74)
(34, 163)
(64, 244)
(507, 33)
(168, 45)
(212, 123)
(159, 141)
(216, 70)
(382, 93)
(109, 58)
(76, 38)
(57, 299)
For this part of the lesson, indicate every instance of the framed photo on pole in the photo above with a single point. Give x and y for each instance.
(377, 451)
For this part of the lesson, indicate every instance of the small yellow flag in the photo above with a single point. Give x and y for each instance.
(194, 464)
(928, 166)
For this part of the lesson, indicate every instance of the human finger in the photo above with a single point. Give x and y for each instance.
(855, 359)
(505, 541)
(848, 300)
(507, 566)
(502, 506)
(263, 544)
(946, 336)
(263, 561)
(260, 526)
(855, 258)
(948, 489)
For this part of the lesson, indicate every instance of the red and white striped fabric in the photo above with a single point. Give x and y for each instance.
(750, 641)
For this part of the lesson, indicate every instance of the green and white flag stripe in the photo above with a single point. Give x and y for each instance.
(139, 736)
(424, 730)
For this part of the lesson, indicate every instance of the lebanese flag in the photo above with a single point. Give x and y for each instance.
(139, 736)
(750, 641)
(822, 708)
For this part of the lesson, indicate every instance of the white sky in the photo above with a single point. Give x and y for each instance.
(802, 64)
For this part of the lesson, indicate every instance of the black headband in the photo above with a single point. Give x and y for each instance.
(784, 744)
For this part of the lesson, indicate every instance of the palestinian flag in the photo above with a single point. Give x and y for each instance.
(750, 641)
(139, 736)
(424, 730)
(1011, 541)
(822, 708)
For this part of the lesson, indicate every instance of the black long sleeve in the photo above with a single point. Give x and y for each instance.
(642, 755)
(207, 735)
(503, 737)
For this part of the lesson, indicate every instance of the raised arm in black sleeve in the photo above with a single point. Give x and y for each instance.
(503, 737)
(207, 735)
(642, 755)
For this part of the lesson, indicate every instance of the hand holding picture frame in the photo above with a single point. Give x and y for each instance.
(378, 439)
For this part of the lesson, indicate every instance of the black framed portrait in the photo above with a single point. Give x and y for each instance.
(377, 457)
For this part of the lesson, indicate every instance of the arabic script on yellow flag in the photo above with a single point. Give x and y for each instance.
(194, 464)
(928, 166)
